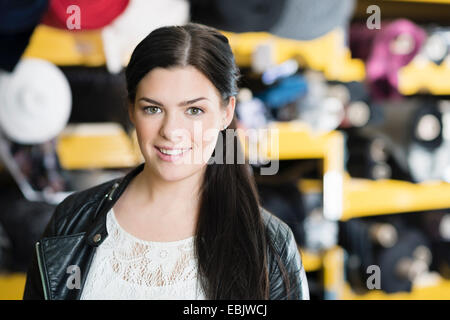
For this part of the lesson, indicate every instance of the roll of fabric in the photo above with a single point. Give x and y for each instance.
(427, 165)
(252, 113)
(437, 45)
(237, 15)
(19, 16)
(354, 237)
(286, 91)
(395, 277)
(17, 22)
(361, 39)
(307, 20)
(135, 23)
(393, 47)
(97, 95)
(93, 14)
(320, 109)
(427, 126)
(35, 102)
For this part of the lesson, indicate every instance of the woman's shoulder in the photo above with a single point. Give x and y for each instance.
(92, 194)
(283, 241)
(278, 232)
(79, 205)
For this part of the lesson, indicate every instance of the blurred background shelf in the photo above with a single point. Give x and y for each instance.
(312, 261)
(363, 197)
(327, 53)
(96, 146)
(12, 286)
(439, 289)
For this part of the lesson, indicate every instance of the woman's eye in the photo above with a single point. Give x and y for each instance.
(195, 111)
(151, 110)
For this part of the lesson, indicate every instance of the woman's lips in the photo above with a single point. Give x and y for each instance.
(169, 157)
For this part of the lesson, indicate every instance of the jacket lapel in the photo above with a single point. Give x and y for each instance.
(65, 260)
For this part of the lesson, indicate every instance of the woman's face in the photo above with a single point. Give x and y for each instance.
(180, 109)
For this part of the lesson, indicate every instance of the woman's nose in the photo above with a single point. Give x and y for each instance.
(172, 128)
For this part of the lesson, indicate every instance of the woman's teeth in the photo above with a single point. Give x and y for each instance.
(172, 152)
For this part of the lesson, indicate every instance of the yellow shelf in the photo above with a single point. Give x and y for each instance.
(422, 76)
(308, 186)
(440, 290)
(63, 47)
(12, 286)
(363, 197)
(311, 261)
(327, 53)
(295, 140)
(96, 146)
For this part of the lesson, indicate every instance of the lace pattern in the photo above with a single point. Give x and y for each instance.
(125, 267)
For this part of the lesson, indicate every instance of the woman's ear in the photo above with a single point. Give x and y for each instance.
(229, 111)
(131, 113)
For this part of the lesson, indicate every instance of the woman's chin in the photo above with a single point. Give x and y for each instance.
(174, 173)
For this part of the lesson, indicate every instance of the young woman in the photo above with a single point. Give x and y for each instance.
(178, 226)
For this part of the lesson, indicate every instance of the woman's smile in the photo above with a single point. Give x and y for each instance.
(171, 155)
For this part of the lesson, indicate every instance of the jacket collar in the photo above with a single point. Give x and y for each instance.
(97, 232)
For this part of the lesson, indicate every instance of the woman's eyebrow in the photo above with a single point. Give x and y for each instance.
(181, 104)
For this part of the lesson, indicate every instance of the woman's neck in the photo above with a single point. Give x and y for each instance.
(170, 197)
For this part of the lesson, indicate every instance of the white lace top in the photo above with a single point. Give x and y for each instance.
(125, 267)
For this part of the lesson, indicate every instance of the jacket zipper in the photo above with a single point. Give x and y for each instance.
(44, 285)
(111, 192)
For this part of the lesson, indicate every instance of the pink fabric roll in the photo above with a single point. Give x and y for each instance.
(383, 63)
(94, 14)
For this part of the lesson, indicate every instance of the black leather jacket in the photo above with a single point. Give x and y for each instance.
(78, 227)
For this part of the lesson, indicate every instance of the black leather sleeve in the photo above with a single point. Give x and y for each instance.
(285, 262)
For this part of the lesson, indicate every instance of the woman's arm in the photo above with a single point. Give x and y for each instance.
(286, 263)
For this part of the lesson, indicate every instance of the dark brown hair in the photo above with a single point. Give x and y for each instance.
(231, 243)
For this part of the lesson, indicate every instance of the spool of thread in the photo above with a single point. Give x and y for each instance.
(383, 234)
(404, 262)
(357, 114)
(282, 70)
(428, 126)
(263, 57)
(437, 44)
(367, 157)
(374, 170)
(444, 227)
(286, 91)
(371, 148)
(410, 269)
(380, 170)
